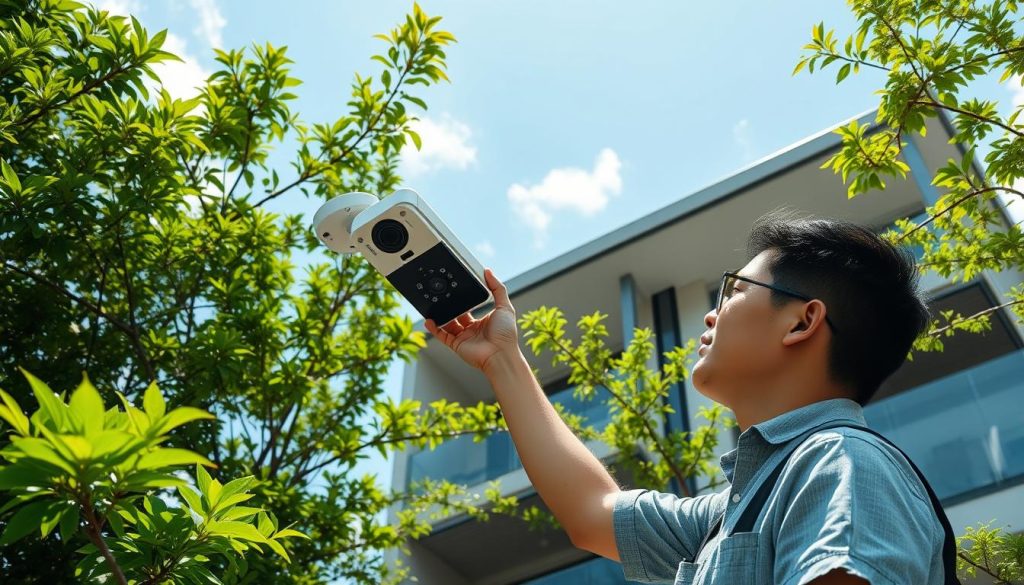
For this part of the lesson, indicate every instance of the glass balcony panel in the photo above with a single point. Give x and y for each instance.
(964, 431)
(461, 460)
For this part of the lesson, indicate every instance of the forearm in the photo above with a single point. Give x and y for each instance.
(568, 477)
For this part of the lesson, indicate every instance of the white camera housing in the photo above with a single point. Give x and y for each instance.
(408, 243)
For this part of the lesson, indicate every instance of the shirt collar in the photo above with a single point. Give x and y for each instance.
(780, 429)
(793, 423)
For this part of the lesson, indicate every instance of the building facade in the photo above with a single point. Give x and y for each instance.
(958, 413)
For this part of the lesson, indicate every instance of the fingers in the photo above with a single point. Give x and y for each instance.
(453, 327)
(466, 319)
(498, 289)
(429, 326)
(441, 334)
(447, 333)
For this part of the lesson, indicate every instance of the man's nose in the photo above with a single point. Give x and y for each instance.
(711, 317)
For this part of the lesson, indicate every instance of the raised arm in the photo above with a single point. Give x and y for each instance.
(573, 483)
(569, 478)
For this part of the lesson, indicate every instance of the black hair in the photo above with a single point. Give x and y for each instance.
(869, 287)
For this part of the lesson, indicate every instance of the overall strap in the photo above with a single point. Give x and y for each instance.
(750, 513)
(758, 499)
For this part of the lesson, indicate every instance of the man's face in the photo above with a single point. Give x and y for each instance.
(745, 339)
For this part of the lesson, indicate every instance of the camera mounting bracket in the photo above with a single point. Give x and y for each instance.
(333, 221)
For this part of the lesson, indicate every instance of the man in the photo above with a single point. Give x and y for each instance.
(803, 334)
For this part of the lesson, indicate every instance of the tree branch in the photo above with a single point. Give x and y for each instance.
(94, 526)
(969, 114)
(936, 332)
(956, 203)
(308, 174)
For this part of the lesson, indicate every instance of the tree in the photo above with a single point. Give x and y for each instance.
(135, 246)
(931, 50)
(83, 468)
(927, 67)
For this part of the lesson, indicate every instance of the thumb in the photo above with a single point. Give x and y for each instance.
(498, 289)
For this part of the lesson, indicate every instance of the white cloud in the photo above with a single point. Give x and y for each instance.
(445, 144)
(1016, 86)
(119, 7)
(485, 249)
(741, 134)
(570, 188)
(181, 78)
(211, 22)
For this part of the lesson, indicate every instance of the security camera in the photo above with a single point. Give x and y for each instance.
(406, 241)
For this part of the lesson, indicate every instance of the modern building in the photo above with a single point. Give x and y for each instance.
(957, 413)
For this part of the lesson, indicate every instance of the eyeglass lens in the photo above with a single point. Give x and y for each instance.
(728, 285)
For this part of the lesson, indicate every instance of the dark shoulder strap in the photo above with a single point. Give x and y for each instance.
(750, 513)
(949, 544)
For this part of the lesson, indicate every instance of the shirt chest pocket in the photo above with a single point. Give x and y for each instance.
(734, 560)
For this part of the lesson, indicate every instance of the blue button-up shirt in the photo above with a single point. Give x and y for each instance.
(844, 500)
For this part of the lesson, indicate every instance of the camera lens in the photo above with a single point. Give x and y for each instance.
(437, 284)
(389, 235)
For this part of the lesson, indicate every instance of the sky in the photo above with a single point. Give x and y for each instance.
(563, 120)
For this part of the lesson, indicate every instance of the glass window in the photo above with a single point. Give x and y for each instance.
(962, 350)
(463, 460)
(957, 413)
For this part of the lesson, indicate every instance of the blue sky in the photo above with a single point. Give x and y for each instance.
(564, 120)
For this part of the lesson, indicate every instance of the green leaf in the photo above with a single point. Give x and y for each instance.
(183, 415)
(13, 414)
(24, 521)
(146, 479)
(287, 532)
(202, 480)
(69, 523)
(164, 457)
(50, 405)
(235, 529)
(415, 138)
(843, 72)
(22, 476)
(10, 176)
(87, 405)
(239, 512)
(153, 402)
(42, 450)
(276, 547)
(236, 486)
(52, 515)
(192, 499)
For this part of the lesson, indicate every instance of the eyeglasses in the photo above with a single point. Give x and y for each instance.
(728, 286)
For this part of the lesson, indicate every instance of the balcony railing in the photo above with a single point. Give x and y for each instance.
(599, 571)
(964, 431)
(461, 460)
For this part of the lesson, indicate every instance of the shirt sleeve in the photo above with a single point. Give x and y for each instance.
(655, 531)
(847, 502)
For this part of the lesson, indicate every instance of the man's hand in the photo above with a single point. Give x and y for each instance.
(478, 340)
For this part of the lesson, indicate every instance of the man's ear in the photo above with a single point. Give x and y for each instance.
(804, 321)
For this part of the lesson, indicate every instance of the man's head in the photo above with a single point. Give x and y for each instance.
(770, 351)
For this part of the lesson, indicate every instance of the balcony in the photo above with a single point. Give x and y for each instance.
(463, 461)
(965, 431)
(598, 571)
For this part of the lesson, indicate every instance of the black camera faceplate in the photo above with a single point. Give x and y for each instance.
(462, 294)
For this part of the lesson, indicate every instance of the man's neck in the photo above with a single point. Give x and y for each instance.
(750, 414)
